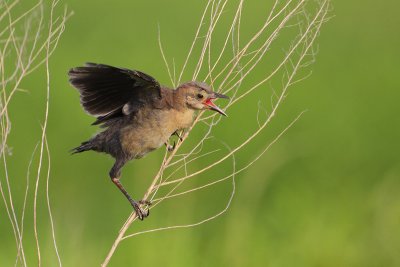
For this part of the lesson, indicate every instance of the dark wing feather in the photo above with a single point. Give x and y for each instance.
(109, 117)
(104, 90)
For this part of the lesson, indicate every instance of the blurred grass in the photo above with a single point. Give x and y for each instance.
(324, 195)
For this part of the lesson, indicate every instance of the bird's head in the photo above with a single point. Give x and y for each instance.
(199, 96)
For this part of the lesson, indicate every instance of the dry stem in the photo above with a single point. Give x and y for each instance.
(246, 58)
(20, 54)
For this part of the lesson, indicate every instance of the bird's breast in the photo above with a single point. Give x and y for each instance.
(150, 129)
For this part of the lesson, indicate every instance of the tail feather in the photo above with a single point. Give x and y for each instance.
(85, 146)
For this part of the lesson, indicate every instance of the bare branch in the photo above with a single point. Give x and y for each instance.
(283, 15)
(24, 47)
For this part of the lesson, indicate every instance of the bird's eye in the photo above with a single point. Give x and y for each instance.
(200, 96)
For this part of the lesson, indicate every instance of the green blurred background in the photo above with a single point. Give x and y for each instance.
(327, 194)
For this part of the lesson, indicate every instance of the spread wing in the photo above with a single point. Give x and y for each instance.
(108, 92)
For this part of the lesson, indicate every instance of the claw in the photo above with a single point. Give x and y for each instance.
(171, 148)
(141, 213)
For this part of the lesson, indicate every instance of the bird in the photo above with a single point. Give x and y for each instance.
(136, 113)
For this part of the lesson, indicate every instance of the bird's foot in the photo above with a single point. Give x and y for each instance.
(170, 148)
(140, 212)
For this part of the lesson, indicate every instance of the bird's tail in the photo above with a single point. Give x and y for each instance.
(85, 146)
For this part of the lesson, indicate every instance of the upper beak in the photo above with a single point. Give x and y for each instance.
(214, 107)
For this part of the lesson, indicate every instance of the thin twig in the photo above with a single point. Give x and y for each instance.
(240, 66)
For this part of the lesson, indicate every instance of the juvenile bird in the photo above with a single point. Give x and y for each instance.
(138, 114)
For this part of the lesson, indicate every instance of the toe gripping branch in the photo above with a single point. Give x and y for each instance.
(140, 212)
(171, 148)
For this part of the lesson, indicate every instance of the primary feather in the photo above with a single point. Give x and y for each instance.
(106, 90)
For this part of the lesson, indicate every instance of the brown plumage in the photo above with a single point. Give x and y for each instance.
(139, 115)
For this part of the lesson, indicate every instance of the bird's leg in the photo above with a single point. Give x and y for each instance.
(115, 175)
(179, 134)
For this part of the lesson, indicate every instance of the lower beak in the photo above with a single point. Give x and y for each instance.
(214, 107)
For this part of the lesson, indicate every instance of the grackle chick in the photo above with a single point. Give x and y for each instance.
(138, 114)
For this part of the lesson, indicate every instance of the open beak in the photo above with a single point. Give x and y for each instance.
(214, 107)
